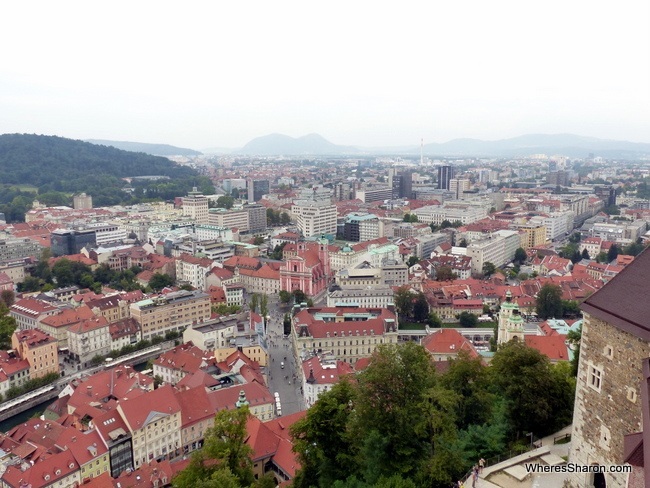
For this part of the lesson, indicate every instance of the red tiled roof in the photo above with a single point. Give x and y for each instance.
(43, 473)
(225, 398)
(552, 346)
(195, 405)
(448, 341)
(88, 325)
(138, 411)
(186, 357)
(32, 307)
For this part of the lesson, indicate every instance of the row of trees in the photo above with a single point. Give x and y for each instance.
(275, 217)
(402, 424)
(66, 273)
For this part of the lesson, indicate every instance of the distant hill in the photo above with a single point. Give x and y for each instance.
(143, 147)
(41, 160)
(566, 144)
(280, 144)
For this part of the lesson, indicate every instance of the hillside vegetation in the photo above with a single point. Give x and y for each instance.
(60, 167)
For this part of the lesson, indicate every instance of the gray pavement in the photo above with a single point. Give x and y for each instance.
(285, 381)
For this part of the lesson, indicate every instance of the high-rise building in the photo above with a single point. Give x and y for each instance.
(458, 187)
(315, 217)
(257, 189)
(607, 194)
(256, 216)
(401, 183)
(82, 201)
(445, 174)
(195, 206)
(65, 241)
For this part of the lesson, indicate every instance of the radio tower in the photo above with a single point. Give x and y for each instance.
(421, 151)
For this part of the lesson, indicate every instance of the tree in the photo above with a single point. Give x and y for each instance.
(633, 248)
(7, 297)
(520, 256)
(549, 302)
(284, 218)
(488, 269)
(612, 254)
(285, 296)
(254, 302)
(570, 308)
(575, 237)
(537, 397)
(412, 261)
(420, 308)
(160, 280)
(434, 321)
(258, 241)
(225, 201)
(7, 327)
(157, 381)
(277, 251)
(225, 451)
(445, 273)
(323, 441)
(462, 243)
(602, 257)
(467, 319)
(264, 305)
(585, 254)
(286, 324)
(574, 337)
(403, 300)
(445, 224)
(299, 296)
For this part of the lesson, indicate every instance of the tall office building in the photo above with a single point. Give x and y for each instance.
(445, 174)
(459, 186)
(401, 182)
(257, 189)
(195, 206)
(256, 217)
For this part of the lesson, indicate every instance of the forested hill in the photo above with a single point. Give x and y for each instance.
(58, 167)
(38, 160)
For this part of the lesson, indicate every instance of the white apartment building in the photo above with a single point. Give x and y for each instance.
(89, 338)
(221, 217)
(193, 270)
(212, 232)
(315, 218)
(497, 249)
(458, 186)
(375, 297)
(195, 206)
(107, 233)
(464, 213)
(557, 224)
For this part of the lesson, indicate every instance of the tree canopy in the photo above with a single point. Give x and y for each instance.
(549, 302)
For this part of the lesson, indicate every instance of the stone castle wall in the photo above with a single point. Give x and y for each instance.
(602, 418)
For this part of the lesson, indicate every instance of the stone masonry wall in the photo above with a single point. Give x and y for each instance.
(602, 418)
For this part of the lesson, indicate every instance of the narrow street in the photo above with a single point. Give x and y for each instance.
(285, 381)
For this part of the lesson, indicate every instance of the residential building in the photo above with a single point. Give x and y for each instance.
(195, 206)
(349, 333)
(173, 365)
(38, 349)
(534, 235)
(446, 344)
(87, 449)
(361, 227)
(458, 186)
(193, 270)
(557, 224)
(57, 325)
(19, 248)
(229, 218)
(55, 471)
(464, 213)
(256, 217)
(66, 241)
(111, 307)
(28, 312)
(89, 338)
(319, 374)
(171, 312)
(374, 194)
(497, 249)
(125, 332)
(215, 333)
(154, 422)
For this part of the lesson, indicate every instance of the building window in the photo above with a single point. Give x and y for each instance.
(594, 377)
(608, 351)
(631, 394)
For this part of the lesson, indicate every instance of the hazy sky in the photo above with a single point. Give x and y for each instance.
(202, 74)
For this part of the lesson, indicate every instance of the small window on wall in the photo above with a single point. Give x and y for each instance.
(608, 352)
(631, 394)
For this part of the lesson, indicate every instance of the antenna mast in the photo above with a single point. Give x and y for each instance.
(421, 151)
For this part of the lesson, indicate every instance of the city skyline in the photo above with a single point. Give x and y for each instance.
(358, 74)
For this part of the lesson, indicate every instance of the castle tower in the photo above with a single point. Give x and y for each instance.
(506, 311)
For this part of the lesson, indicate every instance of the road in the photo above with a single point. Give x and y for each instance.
(286, 381)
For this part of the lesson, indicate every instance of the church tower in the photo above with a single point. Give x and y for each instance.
(506, 311)
(515, 326)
